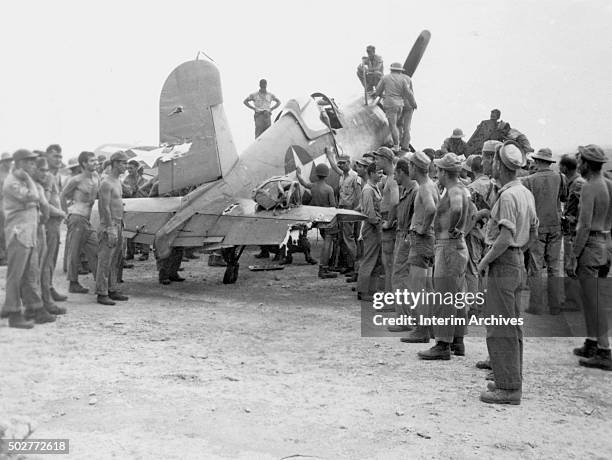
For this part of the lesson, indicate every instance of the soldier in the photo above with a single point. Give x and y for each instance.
(396, 89)
(405, 120)
(421, 255)
(568, 167)
(505, 132)
(262, 107)
(390, 198)
(513, 226)
(110, 233)
(548, 188)
(591, 257)
(20, 204)
(451, 256)
(370, 71)
(5, 168)
(133, 187)
(349, 194)
(455, 143)
(370, 232)
(322, 195)
(81, 191)
(405, 209)
(53, 224)
(51, 215)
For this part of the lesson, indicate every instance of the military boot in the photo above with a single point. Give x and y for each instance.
(602, 359)
(54, 309)
(587, 350)
(458, 347)
(76, 288)
(17, 321)
(324, 273)
(57, 296)
(42, 316)
(440, 351)
(499, 396)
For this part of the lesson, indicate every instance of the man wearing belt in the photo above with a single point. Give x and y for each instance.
(21, 207)
(512, 228)
(370, 232)
(81, 191)
(451, 256)
(49, 211)
(568, 166)
(390, 197)
(591, 257)
(401, 266)
(110, 233)
(421, 254)
(262, 106)
(548, 188)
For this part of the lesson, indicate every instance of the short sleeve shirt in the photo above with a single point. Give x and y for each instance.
(261, 101)
(349, 190)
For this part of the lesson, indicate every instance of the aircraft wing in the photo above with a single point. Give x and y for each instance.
(236, 224)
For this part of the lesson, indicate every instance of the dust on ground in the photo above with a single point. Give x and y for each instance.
(275, 367)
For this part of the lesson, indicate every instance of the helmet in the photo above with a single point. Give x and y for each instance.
(322, 170)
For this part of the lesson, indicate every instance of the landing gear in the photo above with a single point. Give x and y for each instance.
(231, 257)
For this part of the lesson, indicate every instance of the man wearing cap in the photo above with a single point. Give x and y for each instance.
(81, 191)
(548, 188)
(512, 228)
(401, 266)
(505, 132)
(52, 188)
(110, 239)
(322, 195)
(102, 164)
(5, 168)
(349, 194)
(590, 260)
(405, 120)
(568, 166)
(451, 258)
(370, 232)
(390, 198)
(51, 212)
(21, 207)
(396, 89)
(455, 143)
(421, 254)
(370, 71)
(262, 106)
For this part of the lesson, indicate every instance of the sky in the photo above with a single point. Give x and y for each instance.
(83, 74)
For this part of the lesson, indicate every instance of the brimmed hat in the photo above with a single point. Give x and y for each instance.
(593, 153)
(467, 164)
(512, 156)
(490, 146)
(449, 162)
(322, 170)
(396, 66)
(385, 152)
(23, 154)
(419, 159)
(119, 156)
(6, 157)
(344, 159)
(544, 154)
(365, 162)
(369, 155)
(457, 133)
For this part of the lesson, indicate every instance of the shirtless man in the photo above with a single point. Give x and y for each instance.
(110, 238)
(421, 236)
(451, 257)
(590, 255)
(81, 191)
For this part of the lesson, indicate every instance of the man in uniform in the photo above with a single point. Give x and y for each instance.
(591, 257)
(390, 198)
(513, 226)
(133, 187)
(322, 195)
(396, 90)
(110, 233)
(262, 106)
(50, 212)
(455, 143)
(568, 167)
(405, 209)
(370, 232)
(370, 71)
(451, 256)
(20, 205)
(548, 188)
(5, 169)
(421, 255)
(52, 226)
(81, 191)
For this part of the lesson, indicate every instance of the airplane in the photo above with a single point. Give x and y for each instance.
(219, 213)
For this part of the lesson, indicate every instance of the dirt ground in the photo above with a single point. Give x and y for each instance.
(275, 367)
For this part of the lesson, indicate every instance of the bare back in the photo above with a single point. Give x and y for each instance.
(427, 195)
(452, 211)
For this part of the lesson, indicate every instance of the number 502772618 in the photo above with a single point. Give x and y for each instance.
(36, 446)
